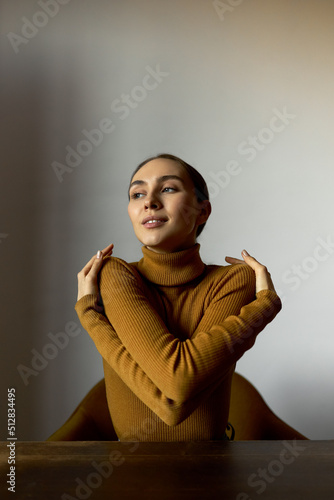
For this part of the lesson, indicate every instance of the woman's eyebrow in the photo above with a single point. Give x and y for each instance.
(159, 179)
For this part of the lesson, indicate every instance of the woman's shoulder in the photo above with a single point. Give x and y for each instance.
(230, 270)
(116, 264)
(231, 274)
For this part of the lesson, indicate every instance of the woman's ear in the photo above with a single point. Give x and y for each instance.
(205, 212)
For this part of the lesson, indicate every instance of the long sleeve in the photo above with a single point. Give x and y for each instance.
(171, 370)
(116, 355)
(182, 368)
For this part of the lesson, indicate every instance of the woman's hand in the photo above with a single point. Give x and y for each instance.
(87, 277)
(263, 279)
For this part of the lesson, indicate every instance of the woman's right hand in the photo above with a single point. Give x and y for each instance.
(87, 277)
(263, 278)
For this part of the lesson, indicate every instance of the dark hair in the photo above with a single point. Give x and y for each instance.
(200, 187)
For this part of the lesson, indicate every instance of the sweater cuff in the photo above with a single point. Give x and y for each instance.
(86, 303)
(270, 297)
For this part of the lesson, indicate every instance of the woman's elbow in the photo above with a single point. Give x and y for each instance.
(172, 414)
(178, 391)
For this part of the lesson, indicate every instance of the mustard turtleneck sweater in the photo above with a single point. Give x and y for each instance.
(170, 334)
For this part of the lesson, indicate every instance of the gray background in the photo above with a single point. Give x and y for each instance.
(227, 73)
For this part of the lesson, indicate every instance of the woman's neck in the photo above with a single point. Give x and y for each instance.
(173, 268)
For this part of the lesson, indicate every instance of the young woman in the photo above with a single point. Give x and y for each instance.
(170, 328)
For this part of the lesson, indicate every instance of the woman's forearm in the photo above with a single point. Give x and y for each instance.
(116, 355)
(181, 369)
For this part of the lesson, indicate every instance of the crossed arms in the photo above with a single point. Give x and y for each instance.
(172, 377)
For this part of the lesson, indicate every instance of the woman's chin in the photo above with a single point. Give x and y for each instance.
(153, 241)
(167, 244)
(156, 246)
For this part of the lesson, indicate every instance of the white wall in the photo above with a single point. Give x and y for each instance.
(227, 74)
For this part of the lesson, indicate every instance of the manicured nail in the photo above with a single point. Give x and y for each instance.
(99, 254)
(246, 254)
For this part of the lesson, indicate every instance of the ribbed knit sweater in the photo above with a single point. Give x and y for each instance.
(170, 332)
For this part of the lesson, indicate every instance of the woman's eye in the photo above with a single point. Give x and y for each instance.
(167, 189)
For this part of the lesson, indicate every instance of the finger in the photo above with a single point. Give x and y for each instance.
(108, 250)
(251, 261)
(96, 265)
(263, 278)
(233, 260)
(104, 253)
(85, 270)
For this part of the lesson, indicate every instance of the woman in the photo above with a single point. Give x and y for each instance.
(171, 328)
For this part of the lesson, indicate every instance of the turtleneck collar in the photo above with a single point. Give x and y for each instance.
(171, 269)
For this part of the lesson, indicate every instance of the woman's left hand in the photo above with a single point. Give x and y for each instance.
(87, 277)
(263, 278)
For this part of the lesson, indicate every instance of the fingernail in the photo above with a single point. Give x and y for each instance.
(99, 254)
(245, 253)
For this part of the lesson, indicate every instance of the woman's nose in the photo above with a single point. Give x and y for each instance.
(152, 202)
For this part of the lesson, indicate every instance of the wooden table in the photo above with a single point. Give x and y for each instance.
(244, 470)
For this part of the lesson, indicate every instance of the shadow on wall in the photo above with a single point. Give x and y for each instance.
(29, 194)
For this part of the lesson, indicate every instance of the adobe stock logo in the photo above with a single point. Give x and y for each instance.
(93, 481)
(267, 475)
(250, 148)
(228, 6)
(50, 351)
(122, 108)
(301, 272)
(39, 20)
(255, 143)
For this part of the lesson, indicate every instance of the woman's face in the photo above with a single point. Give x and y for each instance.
(163, 207)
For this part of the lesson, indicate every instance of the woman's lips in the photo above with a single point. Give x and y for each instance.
(152, 223)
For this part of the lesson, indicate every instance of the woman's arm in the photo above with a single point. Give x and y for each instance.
(180, 370)
(89, 310)
(116, 355)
